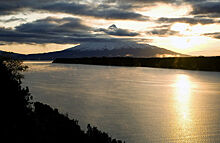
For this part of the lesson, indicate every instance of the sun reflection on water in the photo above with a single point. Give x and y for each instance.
(183, 91)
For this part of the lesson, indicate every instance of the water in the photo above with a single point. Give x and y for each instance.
(135, 104)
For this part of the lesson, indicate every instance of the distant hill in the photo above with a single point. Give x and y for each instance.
(187, 63)
(104, 49)
(11, 54)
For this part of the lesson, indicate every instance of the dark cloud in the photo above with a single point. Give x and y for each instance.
(191, 21)
(100, 11)
(49, 30)
(9, 35)
(14, 6)
(53, 30)
(113, 30)
(162, 26)
(162, 32)
(148, 1)
(119, 14)
(208, 15)
(72, 30)
(206, 8)
(155, 1)
(213, 35)
(13, 36)
(83, 9)
(52, 25)
(120, 9)
(194, 1)
(7, 8)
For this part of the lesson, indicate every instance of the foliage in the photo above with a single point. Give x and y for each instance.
(15, 67)
(26, 122)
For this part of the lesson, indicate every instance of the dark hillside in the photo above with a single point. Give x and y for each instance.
(24, 121)
(188, 63)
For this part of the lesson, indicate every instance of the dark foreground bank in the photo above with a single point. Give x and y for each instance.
(188, 63)
(24, 121)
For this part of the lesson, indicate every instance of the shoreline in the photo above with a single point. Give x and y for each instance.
(185, 63)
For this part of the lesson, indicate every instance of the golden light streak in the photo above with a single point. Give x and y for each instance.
(183, 89)
(182, 97)
(35, 48)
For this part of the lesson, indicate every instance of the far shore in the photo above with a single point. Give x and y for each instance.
(187, 63)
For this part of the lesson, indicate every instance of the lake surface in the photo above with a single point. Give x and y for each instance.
(135, 104)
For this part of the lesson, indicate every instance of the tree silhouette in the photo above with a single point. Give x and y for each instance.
(24, 121)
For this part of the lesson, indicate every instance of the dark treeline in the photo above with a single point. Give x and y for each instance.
(188, 63)
(24, 121)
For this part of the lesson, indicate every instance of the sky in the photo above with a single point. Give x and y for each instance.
(37, 26)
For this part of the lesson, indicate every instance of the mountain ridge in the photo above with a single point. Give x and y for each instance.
(103, 49)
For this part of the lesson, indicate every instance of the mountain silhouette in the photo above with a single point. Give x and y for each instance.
(103, 49)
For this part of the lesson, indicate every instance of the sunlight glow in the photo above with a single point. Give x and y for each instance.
(182, 104)
(183, 87)
(182, 28)
(166, 10)
(187, 42)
